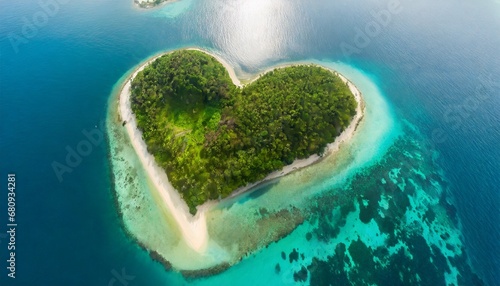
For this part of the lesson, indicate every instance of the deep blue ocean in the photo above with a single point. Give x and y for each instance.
(437, 63)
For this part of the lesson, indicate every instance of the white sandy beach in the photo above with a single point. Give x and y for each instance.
(194, 229)
(330, 149)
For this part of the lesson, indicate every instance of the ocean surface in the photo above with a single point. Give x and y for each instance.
(422, 208)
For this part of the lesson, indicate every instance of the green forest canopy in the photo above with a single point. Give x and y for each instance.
(212, 137)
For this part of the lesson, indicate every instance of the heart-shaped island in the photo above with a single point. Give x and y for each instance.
(188, 139)
(212, 137)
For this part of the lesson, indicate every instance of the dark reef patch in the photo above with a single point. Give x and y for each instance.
(429, 216)
(426, 270)
(362, 257)
(330, 222)
(408, 172)
(308, 236)
(191, 274)
(370, 210)
(439, 260)
(157, 257)
(263, 212)
(324, 273)
(301, 275)
(293, 256)
(277, 268)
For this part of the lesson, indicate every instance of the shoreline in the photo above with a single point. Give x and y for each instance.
(151, 5)
(330, 148)
(194, 229)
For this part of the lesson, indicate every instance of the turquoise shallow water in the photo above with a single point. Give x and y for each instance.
(436, 64)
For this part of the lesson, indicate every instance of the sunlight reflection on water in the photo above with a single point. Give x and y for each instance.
(255, 32)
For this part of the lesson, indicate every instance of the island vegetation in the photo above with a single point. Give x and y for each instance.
(212, 137)
(149, 3)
